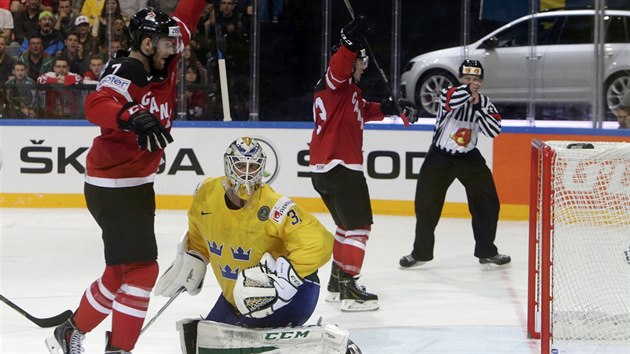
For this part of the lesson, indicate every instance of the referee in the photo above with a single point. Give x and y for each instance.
(453, 154)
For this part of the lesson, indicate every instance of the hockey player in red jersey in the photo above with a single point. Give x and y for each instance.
(134, 106)
(336, 162)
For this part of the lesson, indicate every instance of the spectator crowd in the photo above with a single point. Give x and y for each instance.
(53, 51)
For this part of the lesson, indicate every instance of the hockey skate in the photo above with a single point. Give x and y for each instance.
(409, 261)
(67, 339)
(333, 284)
(108, 347)
(354, 297)
(353, 348)
(498, 261)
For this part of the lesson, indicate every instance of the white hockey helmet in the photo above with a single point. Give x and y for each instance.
(244, 166)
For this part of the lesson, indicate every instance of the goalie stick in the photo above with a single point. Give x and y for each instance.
(167, 304)
(378, 67)
(41, 322)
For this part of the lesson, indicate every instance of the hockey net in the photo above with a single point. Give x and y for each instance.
(579, 278)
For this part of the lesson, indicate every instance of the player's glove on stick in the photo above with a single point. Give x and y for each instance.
(151, 135)
(354, 32)
(627, 252)
(187, 271)
(389, 108)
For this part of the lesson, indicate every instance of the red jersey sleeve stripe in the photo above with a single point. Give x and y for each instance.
(448, 98)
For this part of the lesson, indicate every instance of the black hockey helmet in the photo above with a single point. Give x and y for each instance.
(151, 23)
(471, 67)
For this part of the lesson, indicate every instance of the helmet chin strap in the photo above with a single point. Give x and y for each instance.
(148, 57)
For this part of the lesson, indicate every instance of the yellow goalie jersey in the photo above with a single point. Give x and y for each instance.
(233, 240)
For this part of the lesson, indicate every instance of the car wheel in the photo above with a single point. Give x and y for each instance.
(615, 87)
(429, 87)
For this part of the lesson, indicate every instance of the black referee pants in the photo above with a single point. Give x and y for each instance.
(437, 173)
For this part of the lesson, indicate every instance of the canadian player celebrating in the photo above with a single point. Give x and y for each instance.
(336, 161)
(133, 105)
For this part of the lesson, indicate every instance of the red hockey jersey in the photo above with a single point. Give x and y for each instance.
(339, 111)
(115, 160)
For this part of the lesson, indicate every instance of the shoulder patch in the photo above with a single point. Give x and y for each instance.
(280, 209)
(263, 213)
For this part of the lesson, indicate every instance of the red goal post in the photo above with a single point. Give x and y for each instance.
(579, 227)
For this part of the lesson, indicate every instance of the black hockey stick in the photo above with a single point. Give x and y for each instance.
(378, 67)
(41, 322)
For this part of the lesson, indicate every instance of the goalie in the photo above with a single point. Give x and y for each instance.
(263, 248)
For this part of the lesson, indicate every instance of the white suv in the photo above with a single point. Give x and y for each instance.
(564, 56)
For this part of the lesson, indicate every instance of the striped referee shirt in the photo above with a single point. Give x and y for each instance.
(459, 121)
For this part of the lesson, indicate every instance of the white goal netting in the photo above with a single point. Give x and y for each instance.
(591, 230)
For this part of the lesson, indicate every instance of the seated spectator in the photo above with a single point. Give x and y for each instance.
(194, 95)
(113, 48)
(22, 98)
(128, 8)
(26, 21)
(96, 68)
(16, 6)
(6, 25)
(269, 11)
(66, 16)
(6, 62)
(190, 58)
(101, 26)
(48, 5)
(36, 60)
(52, 40)
(74, 52)
(205, 34)
(87, 41)
(115, 33)
(62, 100)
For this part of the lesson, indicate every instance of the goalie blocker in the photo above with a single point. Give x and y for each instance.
(210, 337)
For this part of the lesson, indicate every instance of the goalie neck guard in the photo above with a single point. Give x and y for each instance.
(244, 166)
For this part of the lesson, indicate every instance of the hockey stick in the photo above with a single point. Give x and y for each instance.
(225, 95)
(378, 67)
(41, 322)
(167, 304)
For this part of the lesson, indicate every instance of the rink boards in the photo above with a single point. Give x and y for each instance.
(43, 162)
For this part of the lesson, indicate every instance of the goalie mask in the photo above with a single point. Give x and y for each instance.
(244, 166)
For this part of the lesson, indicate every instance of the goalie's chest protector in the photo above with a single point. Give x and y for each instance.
(237, 239)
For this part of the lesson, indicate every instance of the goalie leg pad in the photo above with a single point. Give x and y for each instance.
(187, 329)
(328, 339)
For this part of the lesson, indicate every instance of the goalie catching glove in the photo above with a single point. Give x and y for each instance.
(151, 135)
(187, 271)
(389, 108)
(260, 291)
